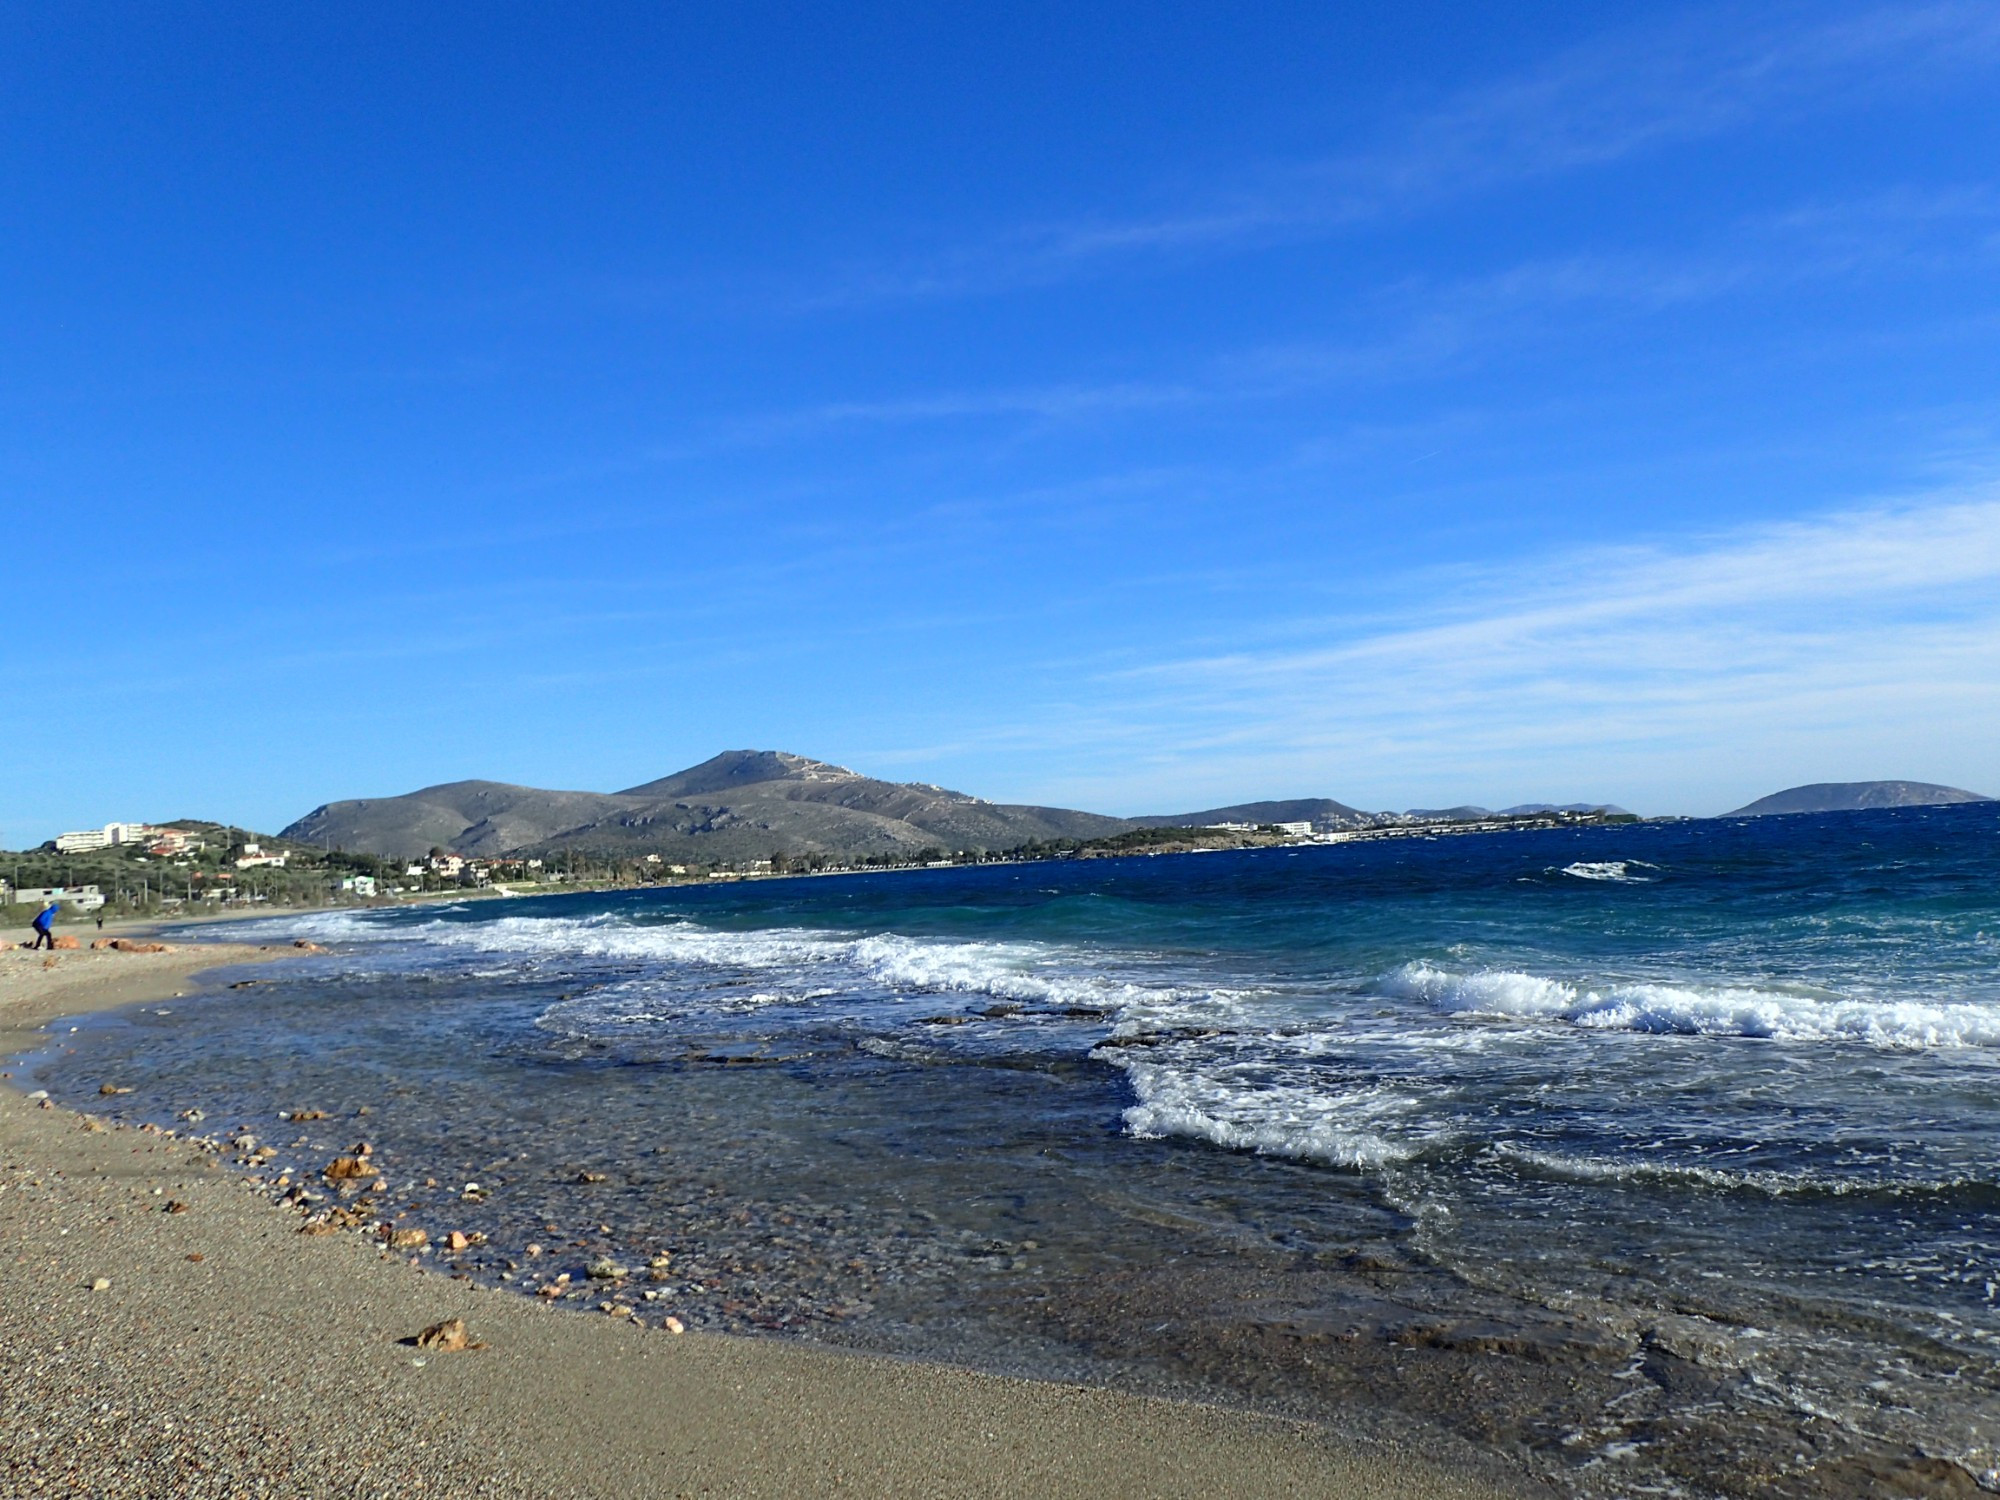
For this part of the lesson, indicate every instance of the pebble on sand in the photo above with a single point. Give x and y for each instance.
(447, 1337)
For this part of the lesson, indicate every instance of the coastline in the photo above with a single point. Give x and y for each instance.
(230, 1353)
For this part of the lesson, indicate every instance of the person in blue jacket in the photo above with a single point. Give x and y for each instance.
(45, 921)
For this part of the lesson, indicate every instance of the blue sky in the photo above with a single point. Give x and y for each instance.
(1134, 407)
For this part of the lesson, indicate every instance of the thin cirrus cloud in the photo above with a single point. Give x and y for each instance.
(1421, 326)
(1687, 674)
(1607, 100)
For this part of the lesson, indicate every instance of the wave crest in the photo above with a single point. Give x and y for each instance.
(1696, 1010)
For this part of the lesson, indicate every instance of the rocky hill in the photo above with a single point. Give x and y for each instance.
(1852, 796)
(740, 805)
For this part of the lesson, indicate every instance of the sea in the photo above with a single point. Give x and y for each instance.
(1651, 1159)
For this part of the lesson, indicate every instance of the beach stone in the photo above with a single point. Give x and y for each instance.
(349, 1169)
(674, 1325)
(306, 945)
(457, 1240)
(408, 1239)
(604, 1268)
(101, 1284)
(447, 1337)
(585, 1177)
(308, 1114)
(67, 942)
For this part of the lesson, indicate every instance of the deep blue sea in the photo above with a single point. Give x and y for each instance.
(1660, 1158)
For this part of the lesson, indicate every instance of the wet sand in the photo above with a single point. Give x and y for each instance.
(230, 1354)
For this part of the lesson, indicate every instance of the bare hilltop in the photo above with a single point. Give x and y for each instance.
(739, 805)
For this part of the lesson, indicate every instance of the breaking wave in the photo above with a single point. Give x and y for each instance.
(1619, 870)
(1243, 1109)
(1689, 1010)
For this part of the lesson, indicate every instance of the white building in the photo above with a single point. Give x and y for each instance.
(103, 838)
(359, 885)
(82, 897)
(253, 854)
(1296, 830)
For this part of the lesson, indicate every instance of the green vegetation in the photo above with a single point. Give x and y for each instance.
(206, 876)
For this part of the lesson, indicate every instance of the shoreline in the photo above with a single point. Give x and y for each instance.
(230, 1352)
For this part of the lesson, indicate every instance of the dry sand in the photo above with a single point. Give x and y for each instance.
(229, 1355)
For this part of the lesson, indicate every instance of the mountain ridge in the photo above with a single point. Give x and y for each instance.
(739, 805)
(1855, 796)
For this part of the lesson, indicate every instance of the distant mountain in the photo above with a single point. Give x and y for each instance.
(740, 805)
(1852, 796)
(1322, 810)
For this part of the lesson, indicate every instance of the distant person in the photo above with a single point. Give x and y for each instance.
(45, 921)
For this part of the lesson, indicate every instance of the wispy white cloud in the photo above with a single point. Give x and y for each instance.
(1421, 325)
(1614, 98)
(1863, 643)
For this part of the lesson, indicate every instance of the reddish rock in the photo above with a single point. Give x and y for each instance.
(447, 1337)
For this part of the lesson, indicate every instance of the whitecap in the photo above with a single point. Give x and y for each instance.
(1619, 870)
(1699, 1010)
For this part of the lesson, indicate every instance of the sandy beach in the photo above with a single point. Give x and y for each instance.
(214, 1350)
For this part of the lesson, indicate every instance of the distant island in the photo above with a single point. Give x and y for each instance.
(1855, 796)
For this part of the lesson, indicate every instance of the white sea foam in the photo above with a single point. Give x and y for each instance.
(1775, 1183)
(1243, 1108)
(1619, 870)
(1698, 1010)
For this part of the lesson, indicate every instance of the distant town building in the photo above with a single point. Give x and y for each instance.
(1297, 830)
(104, 838)
(358, 885)
(253, 854)
(171, 842)
(82, 897)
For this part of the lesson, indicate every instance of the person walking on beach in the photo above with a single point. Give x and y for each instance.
(45, 921)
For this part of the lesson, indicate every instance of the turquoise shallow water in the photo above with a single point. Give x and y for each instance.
(1656, 1158)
